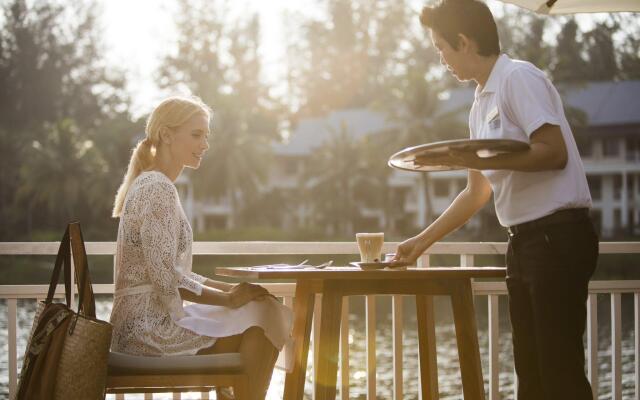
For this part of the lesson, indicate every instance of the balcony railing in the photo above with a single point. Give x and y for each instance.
(466, 253)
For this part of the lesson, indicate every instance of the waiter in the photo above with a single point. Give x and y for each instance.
(541, 196)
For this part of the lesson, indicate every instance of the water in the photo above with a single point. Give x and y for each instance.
(449, 373)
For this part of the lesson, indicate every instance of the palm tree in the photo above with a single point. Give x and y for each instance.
(60, 179)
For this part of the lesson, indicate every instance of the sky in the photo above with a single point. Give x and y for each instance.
(137, 34)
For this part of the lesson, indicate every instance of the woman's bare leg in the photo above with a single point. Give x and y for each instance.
(260, 357)
(258, 354)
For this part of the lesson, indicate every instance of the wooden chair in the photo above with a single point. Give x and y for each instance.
(201, 373)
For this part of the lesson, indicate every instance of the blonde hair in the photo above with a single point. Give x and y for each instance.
(170, 113)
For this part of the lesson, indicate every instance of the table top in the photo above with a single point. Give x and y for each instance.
(356, 273)
(406, 159)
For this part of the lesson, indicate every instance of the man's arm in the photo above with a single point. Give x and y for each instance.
(547, 152)
(465, 205)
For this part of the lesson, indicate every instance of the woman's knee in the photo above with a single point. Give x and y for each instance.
(254, 332)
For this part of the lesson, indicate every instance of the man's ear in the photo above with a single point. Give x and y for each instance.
(464, 43)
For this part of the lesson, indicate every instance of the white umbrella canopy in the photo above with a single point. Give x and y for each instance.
(577, 6)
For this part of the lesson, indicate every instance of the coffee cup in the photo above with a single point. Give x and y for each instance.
(370, 246)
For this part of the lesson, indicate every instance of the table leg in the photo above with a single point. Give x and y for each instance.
(326, 379)
(427, 347)
(467, 338)
(302, 314)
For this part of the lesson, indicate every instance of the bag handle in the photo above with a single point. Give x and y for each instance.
(63, 257)
(86, 299)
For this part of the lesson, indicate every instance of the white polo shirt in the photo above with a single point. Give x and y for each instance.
(516, 100)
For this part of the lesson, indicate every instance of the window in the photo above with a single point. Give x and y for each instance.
(617, 187)
(633, 149)
(585, 149)
(595, 186)
(611, 148)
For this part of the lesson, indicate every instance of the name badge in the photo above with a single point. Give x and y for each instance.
(493, 119)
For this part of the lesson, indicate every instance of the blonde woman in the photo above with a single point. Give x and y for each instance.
(153, 261)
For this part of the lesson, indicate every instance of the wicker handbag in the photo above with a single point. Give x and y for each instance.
(67, 353)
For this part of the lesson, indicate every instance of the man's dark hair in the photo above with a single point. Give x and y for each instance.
(471, 18)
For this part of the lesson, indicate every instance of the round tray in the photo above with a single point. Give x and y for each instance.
(485, 148)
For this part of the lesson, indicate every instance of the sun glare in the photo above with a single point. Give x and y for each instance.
(138, 34)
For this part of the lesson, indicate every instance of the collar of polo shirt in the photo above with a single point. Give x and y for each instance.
(492, 83)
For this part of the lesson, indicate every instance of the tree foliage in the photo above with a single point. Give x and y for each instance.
(55, 91)
(347, 59)
(219, 62)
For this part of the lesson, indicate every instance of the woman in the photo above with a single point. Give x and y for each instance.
(153, 261)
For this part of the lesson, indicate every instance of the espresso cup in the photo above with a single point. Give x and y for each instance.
(370, 246)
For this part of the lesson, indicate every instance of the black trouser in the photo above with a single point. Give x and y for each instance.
(549, 263)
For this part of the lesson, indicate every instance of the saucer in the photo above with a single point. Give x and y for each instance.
(370, 266)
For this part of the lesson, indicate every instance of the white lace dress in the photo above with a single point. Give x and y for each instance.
(153, 260)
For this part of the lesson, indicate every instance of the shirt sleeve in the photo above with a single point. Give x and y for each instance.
(528, 100)
(472, 127)
(198, 278)
(159, 237)
(191, 284)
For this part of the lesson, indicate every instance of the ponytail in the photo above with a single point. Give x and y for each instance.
(141, 160)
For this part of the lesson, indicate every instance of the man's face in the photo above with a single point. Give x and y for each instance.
(454, 60)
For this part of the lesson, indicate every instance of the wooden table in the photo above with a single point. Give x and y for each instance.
(336, 282)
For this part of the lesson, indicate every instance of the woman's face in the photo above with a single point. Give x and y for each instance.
(190, 141)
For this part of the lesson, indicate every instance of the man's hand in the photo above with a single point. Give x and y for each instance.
(409, 250)
(244, 292)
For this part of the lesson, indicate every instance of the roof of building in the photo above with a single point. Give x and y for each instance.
(604, 103)
(312, 132)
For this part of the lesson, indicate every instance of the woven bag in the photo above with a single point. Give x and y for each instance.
(67, 352)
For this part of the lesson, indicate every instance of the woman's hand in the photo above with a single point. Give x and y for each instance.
(244, 292)
(409, 250)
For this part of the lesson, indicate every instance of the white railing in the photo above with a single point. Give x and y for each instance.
(466, 252)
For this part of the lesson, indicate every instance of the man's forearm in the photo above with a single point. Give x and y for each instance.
(547, 151)
(460, 211)
(540, 157)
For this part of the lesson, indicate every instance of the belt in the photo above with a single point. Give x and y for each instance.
(559, 217)
(133, 290)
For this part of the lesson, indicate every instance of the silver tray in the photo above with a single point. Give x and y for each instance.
(485, 148)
